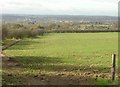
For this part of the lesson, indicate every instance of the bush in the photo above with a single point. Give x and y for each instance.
(33, 33)
(4, 32)
(19, 31)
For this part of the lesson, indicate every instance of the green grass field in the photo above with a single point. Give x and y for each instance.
(68, 53)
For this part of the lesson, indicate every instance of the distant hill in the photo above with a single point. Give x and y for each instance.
(57, 18)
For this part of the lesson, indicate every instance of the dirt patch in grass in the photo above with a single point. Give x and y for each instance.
(10, 64)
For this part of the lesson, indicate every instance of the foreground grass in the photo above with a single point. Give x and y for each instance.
(68, 53)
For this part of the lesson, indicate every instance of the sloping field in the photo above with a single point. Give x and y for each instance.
(61, 58)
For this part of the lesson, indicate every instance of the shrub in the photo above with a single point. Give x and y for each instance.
(4, 32)
(19, 31)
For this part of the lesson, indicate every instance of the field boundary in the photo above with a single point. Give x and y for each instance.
(79, 31)
(9, 44)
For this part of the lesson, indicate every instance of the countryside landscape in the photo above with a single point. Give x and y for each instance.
(58, 53)
(59, 42)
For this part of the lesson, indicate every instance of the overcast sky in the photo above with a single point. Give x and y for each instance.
(61, 7)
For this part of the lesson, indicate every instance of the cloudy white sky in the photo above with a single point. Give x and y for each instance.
(61, 7)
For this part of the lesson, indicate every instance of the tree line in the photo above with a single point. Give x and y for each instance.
(19, 31)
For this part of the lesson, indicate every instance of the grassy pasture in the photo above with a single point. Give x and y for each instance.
(69, 53)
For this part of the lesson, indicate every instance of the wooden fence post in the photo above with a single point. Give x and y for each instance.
(113, 66)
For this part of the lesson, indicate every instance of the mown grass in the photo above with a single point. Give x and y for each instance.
(65, 52)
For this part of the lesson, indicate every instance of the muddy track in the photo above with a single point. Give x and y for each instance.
(10, 64)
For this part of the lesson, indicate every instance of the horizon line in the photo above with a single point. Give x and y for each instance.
(58, 14)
